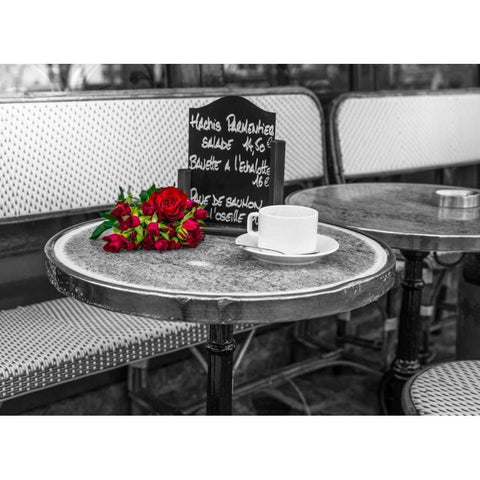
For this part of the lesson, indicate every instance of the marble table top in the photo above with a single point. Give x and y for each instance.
(218, 282)
(403, 215)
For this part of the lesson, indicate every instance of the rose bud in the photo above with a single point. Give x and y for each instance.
(190, 225)
(201, 214)
(191, 204)
(148, 208)
(152, 228)
(134, 221)
(121, 209)
(148, 243)
(123, 225)
(115, 242)
(173, 245)
(130, 245)
(130, 222)
(162, 244)
(194, 238)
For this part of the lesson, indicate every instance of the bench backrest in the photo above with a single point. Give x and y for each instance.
(61, 152)
(399, 132)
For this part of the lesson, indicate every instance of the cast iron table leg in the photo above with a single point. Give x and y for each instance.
(220, 349)
(406, 362)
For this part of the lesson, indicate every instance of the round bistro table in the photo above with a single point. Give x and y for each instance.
(404, 216)
(220, 284)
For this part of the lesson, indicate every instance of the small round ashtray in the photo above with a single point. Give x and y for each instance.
(457, 198)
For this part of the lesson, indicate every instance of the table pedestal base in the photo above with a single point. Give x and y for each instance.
(406, 362)
(220, 348)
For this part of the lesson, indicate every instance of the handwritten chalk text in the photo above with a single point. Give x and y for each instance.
(200, 123)
(209, 164)
(217, 142)
(247, 166)
(259, 128)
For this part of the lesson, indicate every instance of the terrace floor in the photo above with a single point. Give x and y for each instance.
(328, 392)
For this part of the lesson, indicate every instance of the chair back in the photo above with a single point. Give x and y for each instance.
(71, 151)
(400, 132)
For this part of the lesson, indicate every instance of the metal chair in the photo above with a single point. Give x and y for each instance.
(391, 133)
(388, 133)
(451, 388)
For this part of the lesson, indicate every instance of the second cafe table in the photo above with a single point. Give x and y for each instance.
(220, 284)
(405, 216)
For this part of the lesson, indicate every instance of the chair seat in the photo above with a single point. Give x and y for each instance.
(451, 388)
(60, 340)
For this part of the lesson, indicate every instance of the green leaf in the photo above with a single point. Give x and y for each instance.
(100, 229)
(151, 190)
(107, 215)
(164, 235)
(121, 195)
(144, 196)
(139, 230)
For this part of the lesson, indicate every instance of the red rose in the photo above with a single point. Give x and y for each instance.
(115, 243)
(162, 244)
(148, 208)
(152, 228)
(173, 245)
(200, 214)
(121, 210)
(130, 222)
(191, 204)
(194, 238)
(170, 203)
(148, 243)
(190, 225)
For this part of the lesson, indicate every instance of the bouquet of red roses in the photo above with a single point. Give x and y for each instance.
(159, 219)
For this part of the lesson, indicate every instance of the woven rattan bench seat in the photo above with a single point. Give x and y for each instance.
(445, 389)
(48, 343)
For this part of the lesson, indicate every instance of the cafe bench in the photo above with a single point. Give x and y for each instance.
(58, 340)
(63, 158)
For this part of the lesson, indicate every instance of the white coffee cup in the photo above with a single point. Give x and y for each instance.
(290, 229)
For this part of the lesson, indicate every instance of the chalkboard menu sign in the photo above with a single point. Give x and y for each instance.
(230, 143)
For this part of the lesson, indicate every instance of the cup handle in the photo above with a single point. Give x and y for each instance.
(250, 218)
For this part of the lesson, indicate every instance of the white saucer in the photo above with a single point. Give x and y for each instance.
(325, 246)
